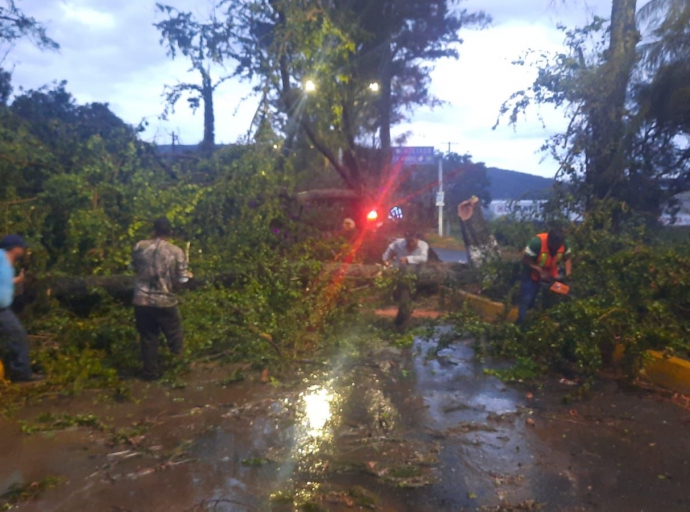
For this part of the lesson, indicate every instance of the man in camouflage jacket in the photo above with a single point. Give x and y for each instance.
(161, 268)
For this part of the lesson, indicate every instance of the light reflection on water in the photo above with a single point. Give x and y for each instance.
(317, 410)
(316, 419)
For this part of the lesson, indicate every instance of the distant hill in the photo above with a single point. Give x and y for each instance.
(517, 185)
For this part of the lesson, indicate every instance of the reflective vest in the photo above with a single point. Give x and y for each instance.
(545, 260)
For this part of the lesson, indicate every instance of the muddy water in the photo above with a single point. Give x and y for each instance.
(390, 429)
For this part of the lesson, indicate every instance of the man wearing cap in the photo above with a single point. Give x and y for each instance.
(161, 268)
(13, 337)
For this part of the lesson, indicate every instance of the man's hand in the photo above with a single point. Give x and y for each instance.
(544, 275)
(403, 261)
(20, 278)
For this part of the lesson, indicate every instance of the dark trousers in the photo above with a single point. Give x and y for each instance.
(403, 294)
(150, 323)
(529, 290)
(15, 346)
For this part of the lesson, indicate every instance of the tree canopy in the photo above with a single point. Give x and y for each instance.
(627, 102)
(338, 72)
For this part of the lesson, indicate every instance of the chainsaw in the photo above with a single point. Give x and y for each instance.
(559, 288)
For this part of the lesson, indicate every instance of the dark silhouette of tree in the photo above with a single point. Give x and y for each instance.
(204, 44)
(401, 41)
(5, 86)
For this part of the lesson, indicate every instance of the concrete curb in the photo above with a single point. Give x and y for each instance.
(668, 372)
(490, 310)
(671, 373)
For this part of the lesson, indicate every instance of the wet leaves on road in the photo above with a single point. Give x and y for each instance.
(20, 493)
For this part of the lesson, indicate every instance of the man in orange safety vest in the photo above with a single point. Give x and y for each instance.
(541, 260)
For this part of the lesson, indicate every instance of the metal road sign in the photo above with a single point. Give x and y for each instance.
(414, 155)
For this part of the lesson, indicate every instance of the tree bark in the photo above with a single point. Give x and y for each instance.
(207, 90)
(479, 241)
(386, 101)
(607, 163)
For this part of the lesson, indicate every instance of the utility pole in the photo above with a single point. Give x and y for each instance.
(440, 199)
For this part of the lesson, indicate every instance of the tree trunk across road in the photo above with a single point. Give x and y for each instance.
(122, 286)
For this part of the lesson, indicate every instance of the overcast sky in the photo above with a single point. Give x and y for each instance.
(110, 53)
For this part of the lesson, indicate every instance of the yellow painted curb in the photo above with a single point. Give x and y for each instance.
(490, 310)
(671, 373)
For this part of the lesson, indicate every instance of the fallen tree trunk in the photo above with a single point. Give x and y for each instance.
(122, 286)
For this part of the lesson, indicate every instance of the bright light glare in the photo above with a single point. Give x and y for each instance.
(373, 215)
(309, 86)
(317, 411)
(374, 87)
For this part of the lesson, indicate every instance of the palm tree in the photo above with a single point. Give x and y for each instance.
(668, 32)
(664, 91)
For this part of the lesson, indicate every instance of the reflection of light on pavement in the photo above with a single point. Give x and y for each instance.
(317, 410)
(315, 422)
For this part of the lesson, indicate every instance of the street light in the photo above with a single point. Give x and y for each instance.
(374, 87)
(309, 86)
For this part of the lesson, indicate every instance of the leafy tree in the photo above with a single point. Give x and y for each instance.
(368, 61)
(204, 44)
(5, 86)
(665, 99)
(402, 39)
(14, 25)
(609, 150)
(54, 117)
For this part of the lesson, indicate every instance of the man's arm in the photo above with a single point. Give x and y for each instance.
(20, 278)
(421, 255)
(531, 263)
(182, 267)
(389, 254)
(568, 267)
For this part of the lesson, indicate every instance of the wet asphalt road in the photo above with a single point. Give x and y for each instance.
(400, 430)
(451, 255)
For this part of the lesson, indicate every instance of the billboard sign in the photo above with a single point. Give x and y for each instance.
(408, 155)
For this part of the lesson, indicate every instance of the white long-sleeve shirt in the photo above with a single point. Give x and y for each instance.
(398, 249)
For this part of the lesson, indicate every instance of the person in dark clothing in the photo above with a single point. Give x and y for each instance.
(13, 337)
(160, 268)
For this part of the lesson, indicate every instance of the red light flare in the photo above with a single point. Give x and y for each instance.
(373, 216)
